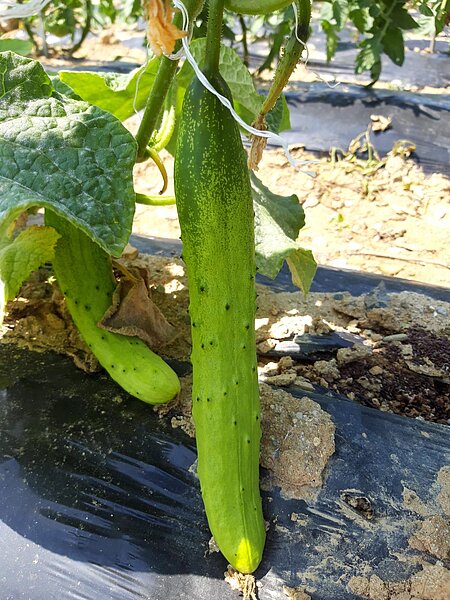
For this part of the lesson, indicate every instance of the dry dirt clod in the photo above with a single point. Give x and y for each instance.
(433, 537)
(297, 442)
(297, 593)
(327, 369)
(348, 355)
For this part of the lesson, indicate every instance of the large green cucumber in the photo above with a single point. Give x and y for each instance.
(84, 273)
(256, 7)
(215, 210)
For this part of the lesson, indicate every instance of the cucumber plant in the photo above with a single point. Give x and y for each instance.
(63, 148)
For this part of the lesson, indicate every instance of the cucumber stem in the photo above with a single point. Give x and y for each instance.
(155, 200)
(291, 56)
(163, 80)
(214, 35)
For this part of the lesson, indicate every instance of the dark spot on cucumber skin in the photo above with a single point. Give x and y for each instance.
(235, 423)
(203, 346)
(198, 399)
(247, 327)
(227, 307)
(113, 367)
(208, 399)
(124, 370)
(248, 441)
(253, 369)
(202, 289)
(257, 417)
(236, 382)
(225, 393)
(75, 302)
(102, 337)
(97, 287)
(193, 324)
(211, 343)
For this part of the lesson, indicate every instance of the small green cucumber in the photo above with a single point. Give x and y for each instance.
(256, 7)
(84, 274)
(215, 209)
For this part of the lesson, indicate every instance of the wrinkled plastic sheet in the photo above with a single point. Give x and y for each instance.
(98, 497)
(323, 118)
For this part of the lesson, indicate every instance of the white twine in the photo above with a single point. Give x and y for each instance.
(270, 135)
(305, 46)
(9, 9)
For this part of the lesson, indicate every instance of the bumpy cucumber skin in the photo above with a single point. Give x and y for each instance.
(84, 274)
(215, 210)
(256, 7)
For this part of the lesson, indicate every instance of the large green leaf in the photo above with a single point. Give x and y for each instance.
(22, 47)
(63, 154)
(114, 92)
(278, 220)
(30, 249)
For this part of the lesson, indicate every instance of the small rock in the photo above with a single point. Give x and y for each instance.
(286, 378)
(396, 337)
(376, 370)
(285, 363)
(304, 384)
(266, 346)
(349, 355)
(328, 369)
(270, 369)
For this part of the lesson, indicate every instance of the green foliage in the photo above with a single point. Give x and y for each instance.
(278, 220)
(380, 23)
(22, 47)
(19, 256)
(114, 92)
(63, 154)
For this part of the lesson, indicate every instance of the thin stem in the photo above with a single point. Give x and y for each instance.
(155, 200)
(291, 56)
(163, 80)
(86, 29)
(245, 57)
(164, 77)
(214, 35)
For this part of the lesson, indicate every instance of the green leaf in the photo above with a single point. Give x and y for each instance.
(340, 12)
(29, 250)
(369, 55)
(22, 47)
(332, 38)
(303, 268)
(63, 154)
(361, 19)
(278, 220)
(393, 45)
(425, 10)
(278, 119)
(402, 19)
(114, 92)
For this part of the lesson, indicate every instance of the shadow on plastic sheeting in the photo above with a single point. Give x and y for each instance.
(92, 476)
